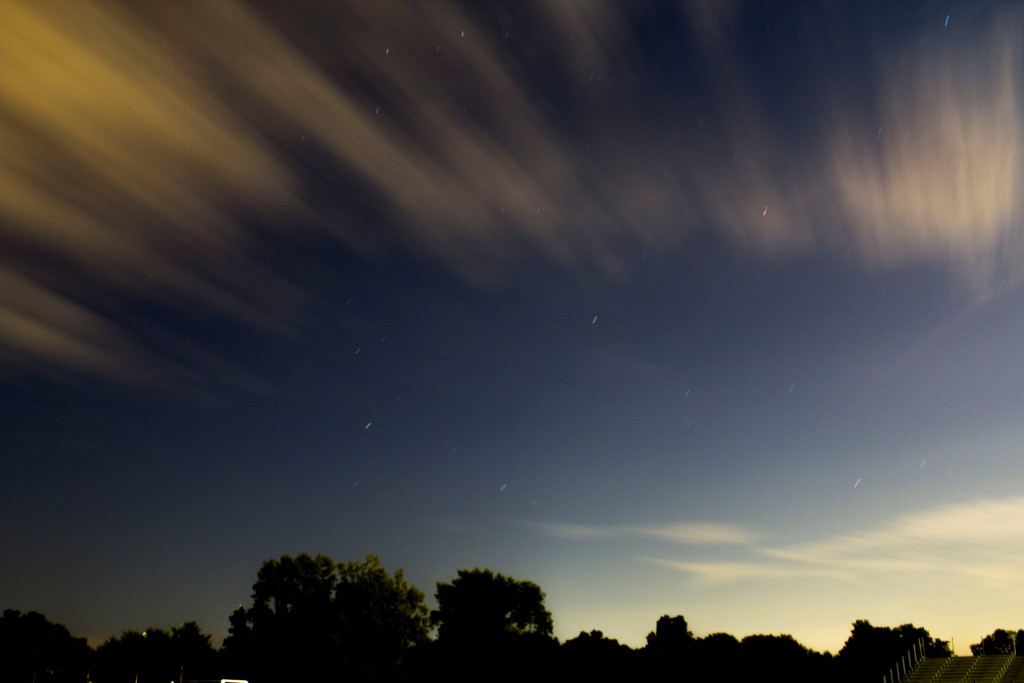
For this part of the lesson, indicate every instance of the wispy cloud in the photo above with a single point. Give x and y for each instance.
(124, 178)
(941, 180)
(981, 541)
(975, 530)
(683, 533)
(42, 328)
(701, 534)
(729, 572)
(140, 143)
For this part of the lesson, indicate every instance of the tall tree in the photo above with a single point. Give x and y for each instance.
(1000, 642)
(143, 656)
(667, 646)
(156, 655)
(479, 604)
(383, 617)
(718, 647)
(871, 651)
(34, 649)
(595, 657)
(192, 651)
(760, 653)
(671, 636)
(312, 617)
(484, 619)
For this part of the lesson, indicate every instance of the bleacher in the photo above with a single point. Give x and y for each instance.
(983, 669)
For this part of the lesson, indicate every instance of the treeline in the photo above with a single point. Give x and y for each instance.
(315, 619)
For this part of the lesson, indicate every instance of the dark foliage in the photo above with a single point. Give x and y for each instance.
(492, 627)
(478, 604)
(594, 657)
(156, 656)
(782, 653)
(669, 645)
(314, 618)
(1000, 642)
(871, 651)
(671, 637)
(34, 649)
(718, 647)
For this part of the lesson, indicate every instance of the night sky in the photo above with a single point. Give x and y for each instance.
(711, 309)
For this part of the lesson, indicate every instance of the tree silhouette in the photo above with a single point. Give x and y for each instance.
(718, 646)
(759, 653)
(667, 646)
(155, 655)
(192, 651)
(671, 635)
(999, 642)
(312, 617)
(594, 657)
(871, 651)
(35, 649)
(492, 627)
(478, 605)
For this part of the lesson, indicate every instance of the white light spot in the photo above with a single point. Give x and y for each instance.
(367, 425)
(387, 50)
(503, 487)
(856, 483)
(765, 212)
(594, 321)
(923, 464)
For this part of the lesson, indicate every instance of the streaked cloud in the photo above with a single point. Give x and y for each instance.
(976, 540)
(43, 329)
(941, 181)
(974, 529)
(728, 572)
(158, 154)
(124, 178)
(694, 533)
(979, 541)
